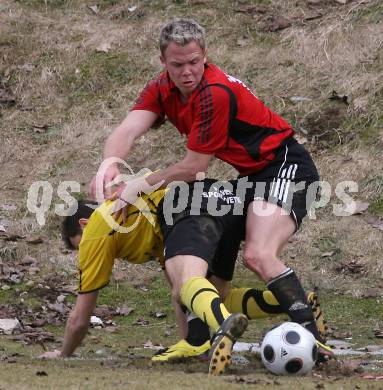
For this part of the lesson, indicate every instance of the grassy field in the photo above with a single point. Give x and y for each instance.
(70, 69)
(118, 355)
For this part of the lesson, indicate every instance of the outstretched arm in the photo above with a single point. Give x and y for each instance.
(76, 326)
(184, 170)
(120, 142)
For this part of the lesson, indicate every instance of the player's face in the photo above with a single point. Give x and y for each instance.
(185, 65)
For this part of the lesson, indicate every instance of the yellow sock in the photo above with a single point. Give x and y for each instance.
(252, 302)
(202, 298)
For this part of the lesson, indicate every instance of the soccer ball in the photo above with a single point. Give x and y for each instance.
(289, 349)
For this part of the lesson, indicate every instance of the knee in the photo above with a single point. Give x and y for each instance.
(257, 259)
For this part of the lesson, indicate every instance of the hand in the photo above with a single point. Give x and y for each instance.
(101, 182)
(51, 355)
(129, 193)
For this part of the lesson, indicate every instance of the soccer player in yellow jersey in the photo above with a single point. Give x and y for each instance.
(188, 235)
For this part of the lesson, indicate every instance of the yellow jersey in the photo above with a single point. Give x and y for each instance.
(101, 243)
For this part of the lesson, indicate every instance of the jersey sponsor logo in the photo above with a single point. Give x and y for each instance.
(226, 195)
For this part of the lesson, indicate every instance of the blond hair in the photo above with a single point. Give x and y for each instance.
(182, 31)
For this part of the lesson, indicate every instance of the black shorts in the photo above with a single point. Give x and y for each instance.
(215, 239)
(291, 181)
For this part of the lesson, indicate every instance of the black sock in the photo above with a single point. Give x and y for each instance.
(198, 331)
(289, 292)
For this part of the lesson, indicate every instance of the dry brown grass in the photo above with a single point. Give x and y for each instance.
(49, 61)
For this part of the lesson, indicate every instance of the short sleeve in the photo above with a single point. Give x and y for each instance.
(209, 132)
(95, 265)
(149, 99)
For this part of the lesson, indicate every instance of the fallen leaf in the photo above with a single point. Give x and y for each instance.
(33, 270)
(132, 9)
(111, 329)
(28, 260)
(109, 323)
(94, 320)
(157, 315)
(6, 99)
(335, 96)
(251, 10)
(12, 237)
(339, 344)
(361, 207)
(141, 322)
(279, 23)
(9, 359)
(141, 287)
(350, 366)
(15, 278)
(39, 323)
(104, 311)
(8, 207)
(118, 276)
(243, 41)
(57, 307)
(124, 310)
(299, 99)
(35, 240)
(328, 254)
(103, 48)
(372, 293)
(41, 373)
(26, 67)
(8, 325)
(94, 8)
(341, 335)
(375, 222)
(371, 348)
(40, 128)
(249, 381)
(356, 207)
(353, 267)
(155, 347)
(313, 16)
(369, 376)
(61, 298)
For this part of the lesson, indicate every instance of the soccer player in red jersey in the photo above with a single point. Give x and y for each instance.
(222, 118)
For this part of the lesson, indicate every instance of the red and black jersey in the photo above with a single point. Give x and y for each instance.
(222, 117)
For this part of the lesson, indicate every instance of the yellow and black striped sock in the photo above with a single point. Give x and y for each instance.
(252, 302)
(202, 298)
